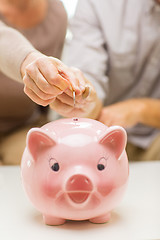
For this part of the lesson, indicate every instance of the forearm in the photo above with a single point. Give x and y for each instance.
(150, 112)
(13, 50)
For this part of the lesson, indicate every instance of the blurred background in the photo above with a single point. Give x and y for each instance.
(70, 6)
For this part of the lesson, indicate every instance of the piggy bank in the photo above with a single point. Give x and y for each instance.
(75, 169)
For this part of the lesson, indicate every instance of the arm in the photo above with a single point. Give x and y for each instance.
(150, 113)
(46, 79)
(131, 112)
(40, 74)
(13, 50)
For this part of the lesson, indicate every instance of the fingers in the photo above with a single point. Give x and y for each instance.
(46, 76)
(66, 110)
(87, 88)
(48, 80)
(66, 99)
(86, 92)
(60, 107)
(35, 98)
(79, 78)
(41, 87)
(43, 82)
(69, 74)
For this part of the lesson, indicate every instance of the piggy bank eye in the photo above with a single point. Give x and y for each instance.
(102, 164)
(54, 165)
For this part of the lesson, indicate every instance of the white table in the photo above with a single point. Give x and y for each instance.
(137, 217)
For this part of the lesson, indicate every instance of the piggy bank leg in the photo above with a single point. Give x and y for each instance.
(51, 220)
(101, 219)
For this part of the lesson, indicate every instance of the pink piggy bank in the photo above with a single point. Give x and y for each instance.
(75, 169)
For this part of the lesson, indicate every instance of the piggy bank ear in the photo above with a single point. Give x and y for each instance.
(115, 139)
(37, 140)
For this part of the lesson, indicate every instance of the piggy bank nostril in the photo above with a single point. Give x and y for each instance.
(79, 183)
(73, 180)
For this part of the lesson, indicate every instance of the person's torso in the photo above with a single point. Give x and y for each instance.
(132, 31)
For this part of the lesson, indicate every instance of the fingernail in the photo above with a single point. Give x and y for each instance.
(86, 92)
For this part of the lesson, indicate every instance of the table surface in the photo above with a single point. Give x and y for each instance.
(136, 217)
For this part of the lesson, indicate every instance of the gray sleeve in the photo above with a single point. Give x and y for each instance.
(13, 50)
(87, 50)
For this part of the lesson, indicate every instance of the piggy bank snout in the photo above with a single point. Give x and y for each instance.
(78, 188)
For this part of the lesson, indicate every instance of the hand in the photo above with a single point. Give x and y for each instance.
(45, 78)
(125, 114)
(87, 103)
